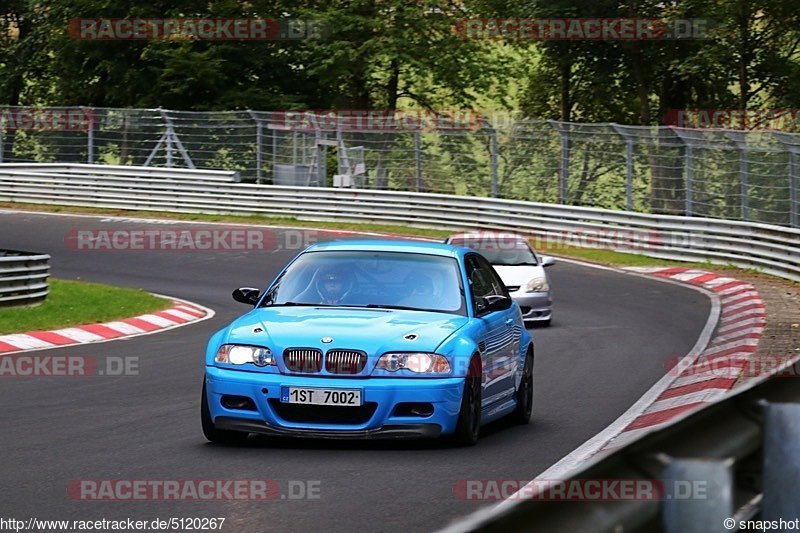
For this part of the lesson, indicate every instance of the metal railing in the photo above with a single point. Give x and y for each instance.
(23, 278)
(734, 175)
(769, 248)
(737, 457)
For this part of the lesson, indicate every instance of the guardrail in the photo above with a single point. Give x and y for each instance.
(734, 460)
(771, 249)
(23, 278)
(123, 171)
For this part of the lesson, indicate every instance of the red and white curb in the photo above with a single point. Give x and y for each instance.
(729, 338)
(181, 313)
(703, 379)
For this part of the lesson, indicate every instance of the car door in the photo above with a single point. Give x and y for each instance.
(497, 332)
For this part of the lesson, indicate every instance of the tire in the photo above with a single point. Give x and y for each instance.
(522, 413)
(469, 416)
(217, 436)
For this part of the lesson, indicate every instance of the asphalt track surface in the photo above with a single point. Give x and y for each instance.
(610, 337)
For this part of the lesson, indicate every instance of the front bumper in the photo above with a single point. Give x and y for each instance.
(535, 306)
(382, 394)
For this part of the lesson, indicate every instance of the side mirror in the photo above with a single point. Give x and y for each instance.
(246, 295)
(548, 261)
(495, 303)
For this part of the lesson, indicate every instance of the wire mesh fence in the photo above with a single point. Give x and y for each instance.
(736, 175)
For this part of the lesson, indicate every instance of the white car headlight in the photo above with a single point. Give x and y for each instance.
(234, 354)
(422, 363)
(537, 285)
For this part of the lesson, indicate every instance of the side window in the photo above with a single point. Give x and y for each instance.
(483, 282)
(498, 287)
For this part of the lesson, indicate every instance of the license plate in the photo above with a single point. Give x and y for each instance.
(309, 396)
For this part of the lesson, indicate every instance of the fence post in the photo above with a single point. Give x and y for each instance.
(698, 495)
(418, 159)
(321, 157)
(629, 175)
(90, 138)
(781, 474)
(259, 145)
(689, 159)
(2, 143)
(744, 192)
(793, 208)
(563, 175)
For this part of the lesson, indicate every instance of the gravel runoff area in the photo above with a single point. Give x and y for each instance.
(780, 340)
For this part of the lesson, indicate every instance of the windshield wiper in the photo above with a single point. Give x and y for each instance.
(524, 263)
(382, 306)
(300, 304)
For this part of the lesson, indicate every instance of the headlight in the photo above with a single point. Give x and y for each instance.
(234, 354)
(422, 363)
(537, 285)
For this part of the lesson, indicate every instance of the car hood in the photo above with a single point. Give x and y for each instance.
(519, 275)
(373, 331)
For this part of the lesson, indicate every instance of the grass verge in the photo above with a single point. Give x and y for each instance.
(73, 303)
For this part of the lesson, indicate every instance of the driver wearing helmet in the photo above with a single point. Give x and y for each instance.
(332, 285)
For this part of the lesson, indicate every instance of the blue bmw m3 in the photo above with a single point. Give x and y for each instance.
(371, 339)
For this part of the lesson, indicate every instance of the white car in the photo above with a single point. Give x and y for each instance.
(520, 268)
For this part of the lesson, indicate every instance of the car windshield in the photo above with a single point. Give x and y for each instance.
(389, 280)
(500, 251)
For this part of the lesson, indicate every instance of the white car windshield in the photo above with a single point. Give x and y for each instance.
(391, 280)
(500, 252)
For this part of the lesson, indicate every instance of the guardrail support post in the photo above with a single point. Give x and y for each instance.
(689, 157)
(629, 175)
(418, 159)
(563, 174)
(781, 475)
(2, 145)
(793, 208)
(698, 495)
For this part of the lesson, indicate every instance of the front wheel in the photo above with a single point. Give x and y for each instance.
(217, 436)
(522, 413)
(469, 417)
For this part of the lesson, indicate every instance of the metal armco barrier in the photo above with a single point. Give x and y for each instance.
(733, 461)
(771, 249)
(23, 278)
(122, 171)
